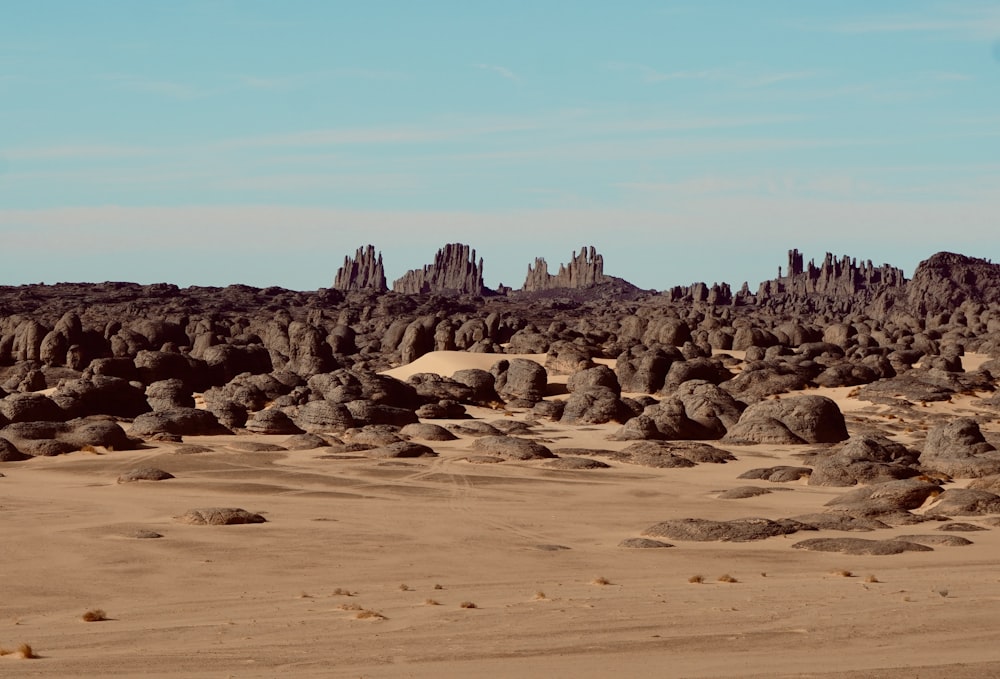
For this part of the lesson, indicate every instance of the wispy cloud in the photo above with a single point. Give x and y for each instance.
(77, 151)
(739, 76)
(162, 88)
(502, 71)
(973, 21)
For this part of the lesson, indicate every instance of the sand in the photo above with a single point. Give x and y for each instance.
(523, 543)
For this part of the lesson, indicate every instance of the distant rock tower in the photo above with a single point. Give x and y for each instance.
(584, 270)
(364, 272)
(454, 272)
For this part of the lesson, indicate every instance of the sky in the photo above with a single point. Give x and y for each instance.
(209, 142)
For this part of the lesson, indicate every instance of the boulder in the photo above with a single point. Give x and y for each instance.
(736, 530)
(809, 418)
(178, 421)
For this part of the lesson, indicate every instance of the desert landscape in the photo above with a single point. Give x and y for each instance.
(575, 478)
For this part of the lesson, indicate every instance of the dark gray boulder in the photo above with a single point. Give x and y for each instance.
(860, 547)
(595, 405)
(323, 416)
(736, 530)
(511, 448)
(809, 418)
(520, 379)
(271, 421)
(169, 394)
(219, 516)
(959, 449)
(31, 407)
(178, 421)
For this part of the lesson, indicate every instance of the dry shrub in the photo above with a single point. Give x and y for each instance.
(872, 578)
(600, 581)
(431, 602)
(24, 650)
(727, 578)
(350, 607)
(367, 614)
(340, 591)
(438, 586)
(404, 588)
(696, 579)
(844, 573)
(91, 449)
(467, 604)
(94, 615)
(540, 596)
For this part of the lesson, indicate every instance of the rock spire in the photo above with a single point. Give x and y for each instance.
(454, 271)
(364, 272)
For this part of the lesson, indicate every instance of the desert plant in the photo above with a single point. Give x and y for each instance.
(843, 573)
(94, 615)
(600, 581)
(404, 588)
(872, 578)
(540, 596)
(438, 586)
(26, 651)
(340, 591)
(467, 604)
(696, 579)
(350, 607)
(727, 578)
(431, 602)
(367, 614)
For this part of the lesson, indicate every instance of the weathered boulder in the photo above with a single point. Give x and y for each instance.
(144, 474)
(178, 421)
(31, 407)
(219, 516)
(520, 380)
(810, 419)
(864, 459)
(511, 448)
(889, 496)
(595, 405)
(737, 530)
(271, 421)
(642, 369)
(965, 502)
(860, 546)
(169, 394)
(323, 416)
(959, 449)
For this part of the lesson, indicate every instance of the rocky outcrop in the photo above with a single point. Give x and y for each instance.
(364, 272)
(584, 270)
(454, 271)
(833, 277)
(946, 280)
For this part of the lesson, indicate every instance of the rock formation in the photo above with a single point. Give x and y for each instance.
(454, 271)
(364, 272)
(584, 270)
(946, 280)
(836, 277)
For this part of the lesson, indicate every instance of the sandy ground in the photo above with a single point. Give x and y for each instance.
(414, 539)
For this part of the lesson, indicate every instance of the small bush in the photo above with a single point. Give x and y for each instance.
(438, 586)
(727, 578)
(431, 602)
(872, 578)
(340, 591)
(94, 615)
(369, 615)
(467, 604)
(843, 573)
(350, 607)
(696, 579)
(540, 596)
(404, 588)
(600, 581)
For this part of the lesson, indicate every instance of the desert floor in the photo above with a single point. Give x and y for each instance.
(411, 540)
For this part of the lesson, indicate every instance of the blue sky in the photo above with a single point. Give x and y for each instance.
(215, 142)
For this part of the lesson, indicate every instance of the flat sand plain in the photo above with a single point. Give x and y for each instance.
(536, 550)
